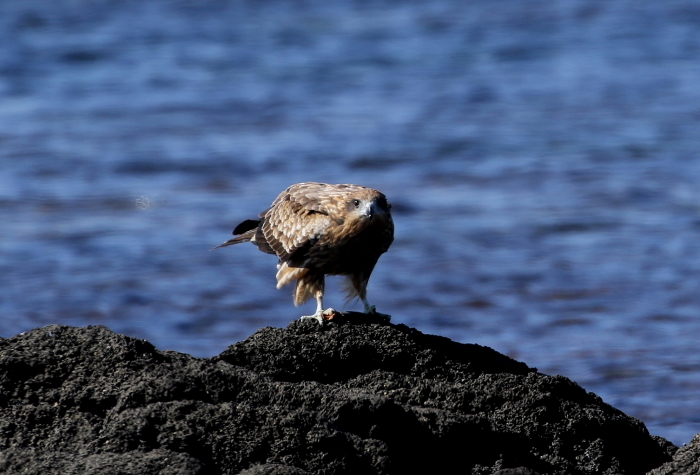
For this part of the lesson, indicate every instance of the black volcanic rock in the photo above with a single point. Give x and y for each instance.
(686, 460)
(339, 399)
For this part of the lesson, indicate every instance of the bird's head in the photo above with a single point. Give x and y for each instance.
(368, 207)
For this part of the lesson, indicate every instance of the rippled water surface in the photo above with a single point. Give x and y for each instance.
(543, 160)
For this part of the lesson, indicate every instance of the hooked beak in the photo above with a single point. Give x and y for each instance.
(370, 210)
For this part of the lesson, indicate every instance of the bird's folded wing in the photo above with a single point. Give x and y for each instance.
(288, 226)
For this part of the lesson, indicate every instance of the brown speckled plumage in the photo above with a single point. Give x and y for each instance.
(317, 229)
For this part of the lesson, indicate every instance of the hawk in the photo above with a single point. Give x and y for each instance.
(317, 229)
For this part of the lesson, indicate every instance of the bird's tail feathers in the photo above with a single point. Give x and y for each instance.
(245, 237)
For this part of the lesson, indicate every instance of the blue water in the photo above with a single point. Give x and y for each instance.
(543, 160)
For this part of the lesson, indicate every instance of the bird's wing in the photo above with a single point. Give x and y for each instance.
(291, 229)
(303, 213)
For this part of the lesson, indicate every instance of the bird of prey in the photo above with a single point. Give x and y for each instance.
(317, 229)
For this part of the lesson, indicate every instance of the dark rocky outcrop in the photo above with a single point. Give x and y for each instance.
(686, 460)
(339, 399)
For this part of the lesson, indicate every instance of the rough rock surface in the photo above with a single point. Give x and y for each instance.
(686, 460)
(339, 399)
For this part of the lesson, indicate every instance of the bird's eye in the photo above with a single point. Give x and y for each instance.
(356, 203)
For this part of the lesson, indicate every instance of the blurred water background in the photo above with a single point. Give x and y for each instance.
(542, 157)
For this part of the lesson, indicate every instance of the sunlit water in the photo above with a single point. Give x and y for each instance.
(543, 160)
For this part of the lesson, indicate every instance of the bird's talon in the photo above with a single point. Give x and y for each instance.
(318, 318)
